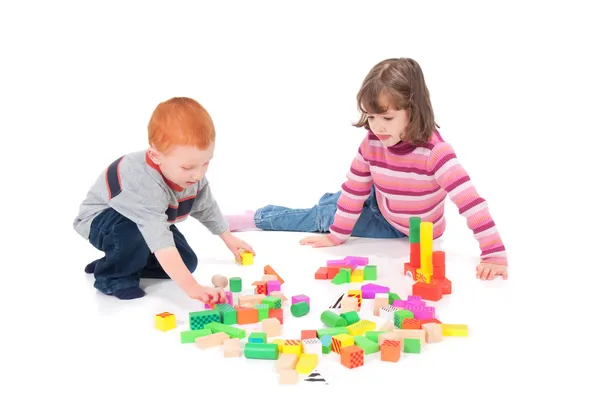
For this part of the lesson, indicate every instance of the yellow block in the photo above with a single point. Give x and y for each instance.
(165, 321)
(307, 363)
(356, 293)
(358, 275)
(340, 341)
(247, 258)
(279, 343)
(361, 327)
(455, 330)
(422, 278)
(292, 347)
(426, 244)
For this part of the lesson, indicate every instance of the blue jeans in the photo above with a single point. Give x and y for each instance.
(370, 224)
(127, 257)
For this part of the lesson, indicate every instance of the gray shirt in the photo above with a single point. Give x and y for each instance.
(134, 187)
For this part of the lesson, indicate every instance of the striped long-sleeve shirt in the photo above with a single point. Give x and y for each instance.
(414, 181)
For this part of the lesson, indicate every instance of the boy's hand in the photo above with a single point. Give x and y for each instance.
(207, 294)
(317, 241)
(487, 271)
(235, 244)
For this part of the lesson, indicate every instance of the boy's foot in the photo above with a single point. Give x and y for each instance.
(91, 267)
(241, 221)
(129, 293)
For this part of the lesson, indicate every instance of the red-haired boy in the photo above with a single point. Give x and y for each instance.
(131, 210)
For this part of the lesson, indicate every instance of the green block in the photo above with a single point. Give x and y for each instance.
(392, 297)
(191, 336)
(343, 276)
(261, 351)
(332, 320)
(331, 331)
(400, 316)
(370, 272)
(228, 313)
(374, 335)
(198, 319)
(351, 317)
(232, 331)
(263, 311)
(412, 345)
(257, 337)
(414, 230)
(367, 345)
(326, 344)
(414, 223)
(235, 284)
(300, 309)
(272, 301)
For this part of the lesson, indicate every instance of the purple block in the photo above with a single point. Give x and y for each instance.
(299, 298)
(359, 261)
(273, 286)
(207, 306)
(400, 304)
(416, 300)
(369, 290)
(368, 294)
(424, 313)
(229, 296)
(337, 262)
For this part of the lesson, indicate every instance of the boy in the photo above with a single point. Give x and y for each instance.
(131, 211)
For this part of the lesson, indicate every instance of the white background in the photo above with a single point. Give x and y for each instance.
(514, 88)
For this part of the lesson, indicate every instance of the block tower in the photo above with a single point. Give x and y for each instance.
(426, 267)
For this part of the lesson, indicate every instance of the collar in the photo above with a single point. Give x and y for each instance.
(170, 183)
(399, 148)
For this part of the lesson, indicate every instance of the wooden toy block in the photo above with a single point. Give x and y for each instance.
(246, 315)
(263, 311)
(392, 297)
(338, 342)
(332, 271)
(388, 312)
(270, 271)
(273, 286)
(354, 260)
(235, 284)
(307, 363)
(286, 362)
(431, 320)
(279, 343)
(326, 342)
(390, 336)
(387, 326)
(227, 312)
(300, 309)
(257, 337)
(231, 331)
(289, 377)
(358, 275)
(247, 258)
(312, 346)
(198, 319)
(356, 293)
(276, 313)
(292, 347)
(412, 345)
(368, 346)
(321, 273)
(431, 292)
(350, 304)
(361, 327)
(260, 287)
(446, 285)
(165, 321)
(439, 264)
(308, 334)
(272, 301)
(191, 336)
(411, 323)
(379, 302)
(410, 270)
(213, 340)
(374, 335)
(455, 330)
(299, 298)
(351, 317)
(269, 277)
(272, 327)
(390, 350)
(252, 299)
(422, 277)
(370, 273)
(232, 348)
(400, 316)
(343, 276)
(433, 332)
(412, 334)
(337, 263)
(280, 295)
(352, 356)
(261, 351)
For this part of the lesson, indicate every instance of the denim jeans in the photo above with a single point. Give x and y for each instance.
(370, 224)
(127, 257)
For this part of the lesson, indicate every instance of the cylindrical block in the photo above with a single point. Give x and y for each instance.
(261, 351)
(235, 284)
(439, 258)
(414, 234)
(351, 317)
(332, 320)
(414, 223)
(299, 309)
(426, 248)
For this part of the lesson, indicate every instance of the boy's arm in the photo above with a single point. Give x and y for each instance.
(453, 178)
(207, 211)
(355, 192)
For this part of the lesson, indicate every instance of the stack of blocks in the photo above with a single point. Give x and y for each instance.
(347, 270)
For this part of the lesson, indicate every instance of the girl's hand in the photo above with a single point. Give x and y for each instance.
(317, 241)
(487, 271)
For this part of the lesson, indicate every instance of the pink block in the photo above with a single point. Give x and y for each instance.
(415, 300)
(357, 260)
(423, 312)
(229, 297)
(370, 289)
(299, 298)
(207, 306)
(337, 262)
(273, 286)
(400, 303)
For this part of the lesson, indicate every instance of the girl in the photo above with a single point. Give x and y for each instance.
(403, 168)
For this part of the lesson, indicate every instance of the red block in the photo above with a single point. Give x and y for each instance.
(309, 334)
(445, 284)
(431, 292)
(415, 255)
(321, 273)
(332, 271)
(276, 313)
(410, 269)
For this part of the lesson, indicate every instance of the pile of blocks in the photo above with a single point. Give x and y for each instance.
(347, 270)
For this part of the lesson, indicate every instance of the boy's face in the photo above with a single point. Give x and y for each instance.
(389, 126)
(183, 165)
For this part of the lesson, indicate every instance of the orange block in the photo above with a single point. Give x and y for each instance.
(390, 350)
(246, 315)
(332, 271)
(308, 334)
(411, 323)
(321, 273)
(352, 356)
(409, 268)
(430, 320)
(269, 270)
(275, 313)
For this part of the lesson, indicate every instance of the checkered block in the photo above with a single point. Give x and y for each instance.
(352, 357)
(228, 313)
(199, 319)
(312, 346)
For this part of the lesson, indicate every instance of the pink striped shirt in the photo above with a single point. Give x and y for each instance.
(414, 181)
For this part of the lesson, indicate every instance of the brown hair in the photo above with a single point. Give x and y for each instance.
(180, 121)
(402, 81)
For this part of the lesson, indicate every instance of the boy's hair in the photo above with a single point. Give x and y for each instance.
(402, 81)
(180, 121)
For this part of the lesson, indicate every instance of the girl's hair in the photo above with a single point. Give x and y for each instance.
(180, 121)
(401, 80)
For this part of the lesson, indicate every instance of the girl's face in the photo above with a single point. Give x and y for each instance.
(389, 126)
